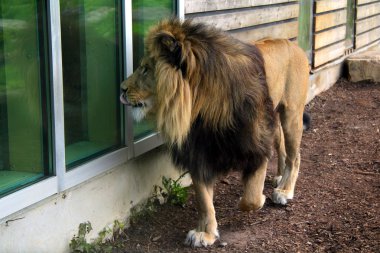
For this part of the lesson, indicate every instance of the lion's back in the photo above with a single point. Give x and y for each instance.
(286, 67)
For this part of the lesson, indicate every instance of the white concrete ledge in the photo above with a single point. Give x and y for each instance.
(49, 225)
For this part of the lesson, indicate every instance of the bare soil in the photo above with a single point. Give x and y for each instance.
(337, 201)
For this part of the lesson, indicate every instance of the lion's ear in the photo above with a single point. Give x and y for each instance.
(170, 49)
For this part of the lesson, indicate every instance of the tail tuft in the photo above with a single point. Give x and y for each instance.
(306, 121)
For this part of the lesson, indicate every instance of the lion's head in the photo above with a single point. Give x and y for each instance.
(158, 84)
(190, 70)
(139, 90)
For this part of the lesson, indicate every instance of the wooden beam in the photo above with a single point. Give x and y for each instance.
(245, 18)
(195, 6)
(367, 24)
(328, 54)
(368, 10)
(328, 5)
(329, 37)
(359, 2)
(368, 37)
(286, 30)
(328, 20)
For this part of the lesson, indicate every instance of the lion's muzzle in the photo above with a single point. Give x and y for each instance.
(124, 100)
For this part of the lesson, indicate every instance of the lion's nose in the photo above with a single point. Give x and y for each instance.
(124, 90)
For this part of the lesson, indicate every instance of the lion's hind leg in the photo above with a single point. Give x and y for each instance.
(281, 155)
(207, 231)
(292, 126)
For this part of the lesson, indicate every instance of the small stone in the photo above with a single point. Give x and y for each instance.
(155, 239)
(223, 244)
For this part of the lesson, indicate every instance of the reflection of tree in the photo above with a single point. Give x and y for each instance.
(145, 14)
(90, 57)
(74, 70)
(21, 59)
(23, 84)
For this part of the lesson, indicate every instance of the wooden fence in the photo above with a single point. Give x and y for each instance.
(248, 19)
(337, 27)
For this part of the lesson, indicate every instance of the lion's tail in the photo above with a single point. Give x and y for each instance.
(306, 119)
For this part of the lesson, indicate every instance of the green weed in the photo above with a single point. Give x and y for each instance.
(171, 192)
(174, 192)
(105, 243)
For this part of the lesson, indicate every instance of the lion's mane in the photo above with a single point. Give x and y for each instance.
(213, 105)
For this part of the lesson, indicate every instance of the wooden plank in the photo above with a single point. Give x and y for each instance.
(328, 20)
(359, 2)
(368, 37)
(367, 24)
(328, 54)
(281, 30)
(328, 5)
(194, 6)
(368, 10)
(329, 37)
(244, 18)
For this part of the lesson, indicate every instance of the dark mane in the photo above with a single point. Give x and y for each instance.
(232, 116)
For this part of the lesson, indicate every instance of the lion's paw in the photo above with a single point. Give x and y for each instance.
(244, 205)
(281, 196)
(199, 239)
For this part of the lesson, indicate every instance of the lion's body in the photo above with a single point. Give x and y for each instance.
(216, 100)
(287, 71)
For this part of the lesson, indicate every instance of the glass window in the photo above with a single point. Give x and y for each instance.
(25, 155)
(145, 14)
(92, 64)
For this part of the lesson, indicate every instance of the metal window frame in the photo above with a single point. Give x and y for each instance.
(63, 179)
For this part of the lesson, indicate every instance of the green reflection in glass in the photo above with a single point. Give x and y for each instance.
(25, 128)
(145, 14)
(91, 74)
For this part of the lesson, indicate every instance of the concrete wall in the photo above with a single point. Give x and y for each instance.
(50, 225)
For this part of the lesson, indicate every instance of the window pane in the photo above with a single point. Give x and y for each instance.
(24, 107)
(91, 75)
(145, 14)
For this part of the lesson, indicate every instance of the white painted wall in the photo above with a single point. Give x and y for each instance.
(49, 226)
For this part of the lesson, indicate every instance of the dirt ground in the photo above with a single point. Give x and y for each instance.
(337, 201)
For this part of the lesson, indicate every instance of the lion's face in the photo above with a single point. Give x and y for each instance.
(139, 90)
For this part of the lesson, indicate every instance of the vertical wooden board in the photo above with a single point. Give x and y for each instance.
(305, 28)
(330, 36)
(328, 5)
(196, 6)
(280, 30)
(244, 18)
(367, 24)
(368, 10)
(328, 54)
(328, 20)
(368, 37)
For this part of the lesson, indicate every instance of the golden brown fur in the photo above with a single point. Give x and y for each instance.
(215, 100)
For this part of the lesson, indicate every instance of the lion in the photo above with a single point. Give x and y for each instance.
(222, 104)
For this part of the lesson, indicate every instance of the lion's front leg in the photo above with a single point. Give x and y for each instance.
(207, 231)
(253, 198)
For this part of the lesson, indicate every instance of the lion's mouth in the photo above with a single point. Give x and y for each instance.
(124, 100)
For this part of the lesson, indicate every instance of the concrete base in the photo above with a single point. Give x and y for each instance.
(48, 226)
(365, 65)
(323, 79)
